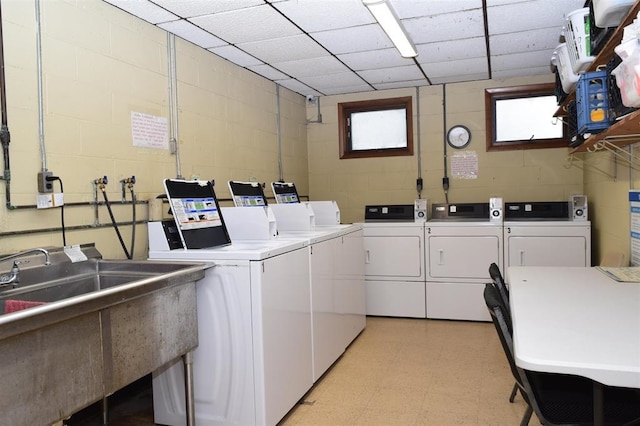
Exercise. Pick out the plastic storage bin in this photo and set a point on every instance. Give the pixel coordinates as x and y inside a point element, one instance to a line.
<point>578,39</point>
<point>562,62</point>
<point>627,74</point>
<point>592,102</point>
<point>609,13</point>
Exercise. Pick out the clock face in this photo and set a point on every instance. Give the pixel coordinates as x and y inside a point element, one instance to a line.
<point>458,136</point>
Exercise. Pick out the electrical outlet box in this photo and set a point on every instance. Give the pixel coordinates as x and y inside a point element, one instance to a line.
<point>45,186</point>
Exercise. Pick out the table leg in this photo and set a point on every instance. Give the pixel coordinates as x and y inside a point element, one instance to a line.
<point>598,404</point>
<point>188,384</point>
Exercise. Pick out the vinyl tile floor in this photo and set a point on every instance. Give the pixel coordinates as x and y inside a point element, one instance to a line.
<point>397,372</point>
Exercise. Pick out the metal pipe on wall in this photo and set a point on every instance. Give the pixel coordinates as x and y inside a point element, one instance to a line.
<point>43,151</point>
<point>279,135</point>
<point>173,102</point>
<point>419,184</point>
<point>5,136</point>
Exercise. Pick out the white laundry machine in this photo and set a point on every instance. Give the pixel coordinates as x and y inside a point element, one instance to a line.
<point>394,262</point>
<point>462,241</point>
<point>254,359</point>
<point>336,262</point>
<point>544,234</point>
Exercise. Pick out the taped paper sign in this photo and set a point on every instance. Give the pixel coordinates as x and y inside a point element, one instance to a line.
<point>464,165</point>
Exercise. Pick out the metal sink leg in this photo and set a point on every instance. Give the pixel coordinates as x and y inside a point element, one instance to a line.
<point>188,384</point>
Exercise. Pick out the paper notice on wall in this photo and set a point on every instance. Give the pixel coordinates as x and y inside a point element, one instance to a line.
<point>149,131</point>
<point>464,165</point>
<point>634,205</point>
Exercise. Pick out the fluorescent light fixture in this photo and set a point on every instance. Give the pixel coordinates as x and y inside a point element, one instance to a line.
<point>391,25</point>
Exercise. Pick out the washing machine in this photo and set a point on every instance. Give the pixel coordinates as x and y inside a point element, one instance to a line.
<point>336,262</point>
<point>394,261</point>
<point>546,234</point>
<point>462,240</point>
<point>254,358</point>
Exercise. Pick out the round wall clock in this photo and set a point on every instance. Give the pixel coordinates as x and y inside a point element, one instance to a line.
<point>459,136</point>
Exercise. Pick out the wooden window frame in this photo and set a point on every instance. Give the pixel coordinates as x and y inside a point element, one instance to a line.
<point>491,95</point>
<point>346,108</point>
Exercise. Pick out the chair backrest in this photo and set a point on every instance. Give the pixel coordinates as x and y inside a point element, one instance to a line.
<point>502,324</point>
<point>498,280</point>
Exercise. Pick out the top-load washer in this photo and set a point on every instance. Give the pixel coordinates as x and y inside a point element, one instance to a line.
<point>462,240</point>
<point>254,359</point>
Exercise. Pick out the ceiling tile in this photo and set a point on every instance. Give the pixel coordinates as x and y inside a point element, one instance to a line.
<point>315,15</point>
<point>284,49</point>
<point>353,39</point>
<point>521,60</point>
<point>445,27</point>
<point>383,58</point>
<point>312,66</point>
<point>522,72</point>
<point>387,75</point>
<point>525,41</point>
<point>338,90</point>
<point>247,25</point>
<point>454,78</point>
<point>419,8</point>
<point>401,84</point>
<point>191,33</point>
<point>462,67</point>
<point>236,56</point>
<point>517,17</point>
<point>269,72</point>
<point>190,8</point>
<point>326,82</point>
<point>144,10</point>
<point>298,87</point>
<point>451,50</point>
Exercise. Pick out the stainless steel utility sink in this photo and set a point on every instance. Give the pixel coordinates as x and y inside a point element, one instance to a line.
<point>57,282</point>
<point>103,324</point>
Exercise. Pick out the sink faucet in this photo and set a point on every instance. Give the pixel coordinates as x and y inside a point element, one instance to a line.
<point>13,277</point>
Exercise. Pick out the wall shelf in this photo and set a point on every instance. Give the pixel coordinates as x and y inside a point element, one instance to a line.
<point>629,124</point>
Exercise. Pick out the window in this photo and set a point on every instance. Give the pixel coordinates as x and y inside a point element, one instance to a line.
<point>376,128</point>
<point>521,117</point>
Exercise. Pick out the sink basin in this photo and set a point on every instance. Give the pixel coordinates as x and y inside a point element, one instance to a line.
<point>61,281</point>
<point>103,325</point>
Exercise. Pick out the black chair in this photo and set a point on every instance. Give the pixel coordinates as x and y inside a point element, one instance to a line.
<point>498,280</point>
<point>559,399</point>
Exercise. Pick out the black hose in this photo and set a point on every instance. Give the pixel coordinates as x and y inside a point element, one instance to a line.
<point>5,136</point>
<point>115,225</point>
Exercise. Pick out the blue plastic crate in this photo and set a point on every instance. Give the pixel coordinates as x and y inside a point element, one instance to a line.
<point>592,102</point>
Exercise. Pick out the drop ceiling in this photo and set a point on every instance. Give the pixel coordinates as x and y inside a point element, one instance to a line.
<point>328,47</point>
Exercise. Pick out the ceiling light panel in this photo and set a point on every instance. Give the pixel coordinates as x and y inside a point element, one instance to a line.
<point>312,66</point>
<point>247,25</point>
<point>452,50</point>
<point>369,37</point>
<point>314,15</point>
<point>191,33</point>
<point>383,58</point>
<point>512,18</point>
<point>284,49</point>
<point>144,10</point>
<point>235,55</point>
<point>191,8</point>
<point>448,26</point>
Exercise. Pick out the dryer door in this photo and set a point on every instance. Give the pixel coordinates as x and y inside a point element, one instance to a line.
<point>462,256</point>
